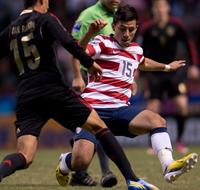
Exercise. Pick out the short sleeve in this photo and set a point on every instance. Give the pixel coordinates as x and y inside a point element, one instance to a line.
<point>95,47</point>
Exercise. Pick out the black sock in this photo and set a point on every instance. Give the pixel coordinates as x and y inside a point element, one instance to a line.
<point>68,160</point>
<point>103,159</point>
<point>180,126</point>
<point>115,153</point>
<point>11,163</point>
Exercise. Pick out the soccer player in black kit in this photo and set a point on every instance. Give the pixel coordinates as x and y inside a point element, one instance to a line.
<point>161,36</point>
<point>41,94</point>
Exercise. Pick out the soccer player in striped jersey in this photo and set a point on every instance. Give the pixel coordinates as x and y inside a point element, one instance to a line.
<point>120,57</point>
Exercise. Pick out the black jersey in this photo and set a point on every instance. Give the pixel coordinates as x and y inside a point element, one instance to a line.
<point>161,44</point>
<point>31,41</point>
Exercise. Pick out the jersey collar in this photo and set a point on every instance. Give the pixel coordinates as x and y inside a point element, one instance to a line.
<point>117,43</point>
<point>26,11</point>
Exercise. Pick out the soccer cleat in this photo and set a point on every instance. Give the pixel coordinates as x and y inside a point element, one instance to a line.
<point>82,178</point>
<point>132,185</point>
<point>179,167</point>
<point>108,180</point>
<point>147,185</point>
<point>141,185</point>
<point>61,178</point>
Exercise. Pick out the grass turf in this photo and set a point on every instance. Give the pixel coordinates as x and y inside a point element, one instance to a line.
<point>41,174</point>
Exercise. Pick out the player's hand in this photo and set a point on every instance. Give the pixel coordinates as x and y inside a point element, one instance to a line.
<point>176,65</point>
<point>78,84</point>
<point>96,71</point>
<point>96,26</point>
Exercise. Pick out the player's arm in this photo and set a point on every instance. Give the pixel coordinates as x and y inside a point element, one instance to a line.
<point>151,65</point>
<point>93,29</point>
<point>78,82</point>
<point>60,34</point>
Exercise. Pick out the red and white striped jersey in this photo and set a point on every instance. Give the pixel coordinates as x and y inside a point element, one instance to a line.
<point>118,64</point>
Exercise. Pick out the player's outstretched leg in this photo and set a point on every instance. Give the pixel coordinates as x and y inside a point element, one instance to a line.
<point>141,185</point>
<point>179,167</point>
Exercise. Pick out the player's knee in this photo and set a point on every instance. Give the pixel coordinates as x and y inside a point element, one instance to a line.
<point>80,162</point>
<point>156,121</point>
<point>161,122</point>
<point>95,126</point>
<point>94,123</point>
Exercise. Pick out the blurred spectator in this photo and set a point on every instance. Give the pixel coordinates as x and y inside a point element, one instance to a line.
<point>164,38</point>
<point>141,6</point>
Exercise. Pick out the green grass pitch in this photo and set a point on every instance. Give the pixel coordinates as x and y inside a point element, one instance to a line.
<point>41,175</point>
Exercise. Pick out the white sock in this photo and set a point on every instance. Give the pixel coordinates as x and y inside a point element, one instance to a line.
<point>161,145</point>
<point>165,157</point>
<point>63,166</point>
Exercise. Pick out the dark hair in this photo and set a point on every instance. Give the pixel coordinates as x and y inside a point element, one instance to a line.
<point>29,3</point>
<point>125,13</point>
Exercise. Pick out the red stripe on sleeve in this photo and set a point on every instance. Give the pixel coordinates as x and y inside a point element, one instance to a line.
<point>91,50</point>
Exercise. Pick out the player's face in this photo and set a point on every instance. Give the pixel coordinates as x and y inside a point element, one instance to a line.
<point>111,4</point>
<point>160,8</point>
<point>45,5</point>
<point>125,32</point>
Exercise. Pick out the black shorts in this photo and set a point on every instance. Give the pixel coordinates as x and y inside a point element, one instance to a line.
<point>62,105</point>
<point>165,85</point>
